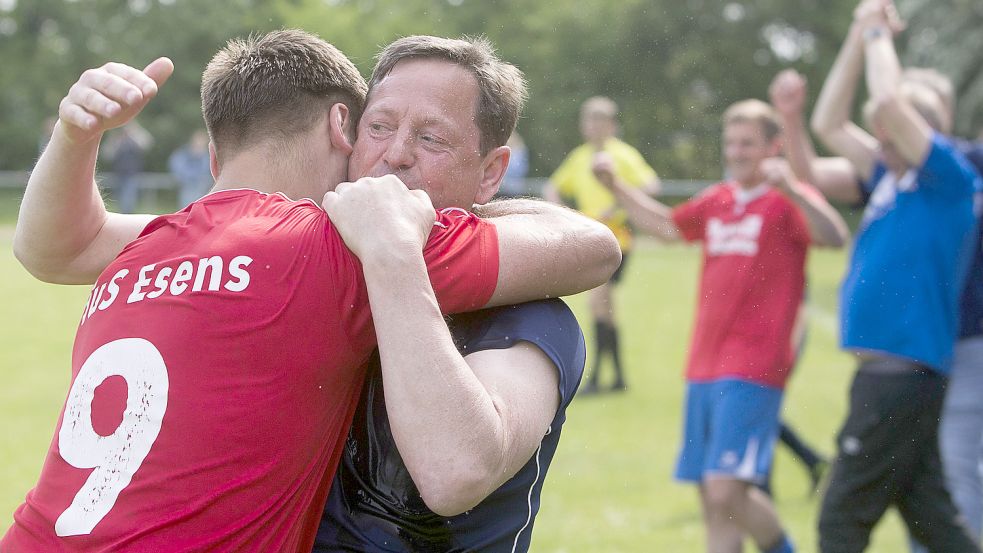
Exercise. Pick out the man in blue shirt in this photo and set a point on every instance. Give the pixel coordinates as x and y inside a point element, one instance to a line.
<point>900,299</point>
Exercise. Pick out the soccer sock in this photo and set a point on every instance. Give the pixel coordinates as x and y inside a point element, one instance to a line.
<point>602,344</point>
<point>784,545</point>
<point>619,377</point>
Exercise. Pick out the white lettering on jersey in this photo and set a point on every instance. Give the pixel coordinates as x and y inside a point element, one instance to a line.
<point>144,280</point>
<point>737,238</point>
<point>183,274</point>
<point>215,265</point>
<point>237,269</point>
<point>113,289</point>
<point>210,274</point>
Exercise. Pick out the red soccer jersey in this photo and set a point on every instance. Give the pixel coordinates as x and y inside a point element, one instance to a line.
<point>215,374</point>
<point>754,251</point>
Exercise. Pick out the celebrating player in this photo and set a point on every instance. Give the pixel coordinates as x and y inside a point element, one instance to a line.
<point>755,230</point>
<point>231,331</point>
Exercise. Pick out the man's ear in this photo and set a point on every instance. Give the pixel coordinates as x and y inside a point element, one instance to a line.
<point>212,160</point>
<point>492,170</point>
<point>340,128</point>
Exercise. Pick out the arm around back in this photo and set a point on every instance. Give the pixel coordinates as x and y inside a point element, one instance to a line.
<point>546,250</point>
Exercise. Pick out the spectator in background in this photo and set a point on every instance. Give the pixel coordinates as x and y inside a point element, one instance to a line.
<point>514,183</point>
<point>574,183</point>
<point>756,229</point>
<point>900,298</point>
<point>127,149</point>
<point>190,167</point>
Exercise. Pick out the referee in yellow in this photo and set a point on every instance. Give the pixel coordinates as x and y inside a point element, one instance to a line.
<point>573,183</point>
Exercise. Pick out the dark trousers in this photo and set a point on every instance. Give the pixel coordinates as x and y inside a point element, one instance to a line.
<point>888,454</point>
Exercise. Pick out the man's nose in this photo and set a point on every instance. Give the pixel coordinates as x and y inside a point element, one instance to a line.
<point>399,153</point>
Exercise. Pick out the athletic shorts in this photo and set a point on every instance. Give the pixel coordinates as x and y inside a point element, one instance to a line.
<point>730,431</point>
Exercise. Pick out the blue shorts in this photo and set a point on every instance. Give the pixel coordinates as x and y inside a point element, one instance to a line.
<point>731,429</point>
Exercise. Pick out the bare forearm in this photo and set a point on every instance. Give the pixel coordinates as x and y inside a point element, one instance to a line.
<point>547,250</point>
<point>62,211</point>
<point>646,214</point>
<point>832,109</point>
<point>883,70</point>
<point>444,422</point>
<point>799,150</point>
<point>64,234</point>
<point>826,226</point>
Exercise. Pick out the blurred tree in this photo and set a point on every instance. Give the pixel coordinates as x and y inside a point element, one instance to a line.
<point>672,65</point>
<point>46,44</point>
<point>949,37</point>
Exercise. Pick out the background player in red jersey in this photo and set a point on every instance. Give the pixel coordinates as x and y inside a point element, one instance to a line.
<point>755,229</point>
<point>221,500</point>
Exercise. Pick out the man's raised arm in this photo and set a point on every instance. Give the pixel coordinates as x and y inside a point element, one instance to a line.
<point>833,176</point>
<point>64,233</point>
<point>908,131</point>
<point>831,115</point>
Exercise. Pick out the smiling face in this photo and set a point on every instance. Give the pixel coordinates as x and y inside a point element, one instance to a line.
<point>419,124</point>
<point>745,147</point>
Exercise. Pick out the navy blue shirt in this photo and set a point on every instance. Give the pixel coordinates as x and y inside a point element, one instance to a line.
<point>374,505</point>
<point>971,303</point>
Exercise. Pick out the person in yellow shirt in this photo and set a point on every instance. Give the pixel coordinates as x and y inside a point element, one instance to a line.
<point>574,184</point>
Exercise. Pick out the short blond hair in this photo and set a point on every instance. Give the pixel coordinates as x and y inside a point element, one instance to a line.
<point>599,105</point>
<point>757,112</point>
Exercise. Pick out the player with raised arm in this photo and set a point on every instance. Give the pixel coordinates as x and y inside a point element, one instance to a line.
<point>900,297</point>
<point>221,326</point>
<point>755,231</point>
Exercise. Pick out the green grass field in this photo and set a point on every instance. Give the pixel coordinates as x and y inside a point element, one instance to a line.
<point>610,486</point>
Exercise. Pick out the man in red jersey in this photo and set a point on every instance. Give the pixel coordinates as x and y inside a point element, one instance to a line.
<point>214,368</point>
<point>755,229</point>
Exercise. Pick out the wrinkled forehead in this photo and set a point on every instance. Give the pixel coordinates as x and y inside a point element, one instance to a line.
<point>427,92</point>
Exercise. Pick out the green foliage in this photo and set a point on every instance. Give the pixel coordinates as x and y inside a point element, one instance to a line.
<point>47,44</point>
<point>672,65</point>
<point>950,39</point>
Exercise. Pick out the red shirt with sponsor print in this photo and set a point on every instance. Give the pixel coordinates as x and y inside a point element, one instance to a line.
<point>754,252</point>
<point>215,373</point>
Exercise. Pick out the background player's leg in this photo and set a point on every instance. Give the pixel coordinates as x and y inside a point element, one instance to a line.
<point>720,498</point>
<point>600,306</point>
<point>813,461</point>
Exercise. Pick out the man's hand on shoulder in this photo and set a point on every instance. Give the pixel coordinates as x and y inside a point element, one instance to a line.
<point>378,217</point>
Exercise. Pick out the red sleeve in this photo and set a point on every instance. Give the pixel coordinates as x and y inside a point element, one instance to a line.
<point>462,259</point>
<point>690,216</point>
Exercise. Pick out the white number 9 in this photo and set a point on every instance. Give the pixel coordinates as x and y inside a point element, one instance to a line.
<point>118,456</point>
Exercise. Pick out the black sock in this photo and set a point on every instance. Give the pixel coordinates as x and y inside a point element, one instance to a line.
<point>619,377</point>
